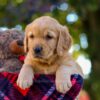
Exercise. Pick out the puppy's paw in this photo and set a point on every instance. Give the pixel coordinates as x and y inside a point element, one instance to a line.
<point>25,78</point>
<point>63,83</point>
<point>25,81</point>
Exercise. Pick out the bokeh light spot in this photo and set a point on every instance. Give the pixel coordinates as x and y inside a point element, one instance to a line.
<point>72,17</point>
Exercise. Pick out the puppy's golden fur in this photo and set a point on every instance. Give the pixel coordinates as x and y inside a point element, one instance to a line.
<point>55,41</point>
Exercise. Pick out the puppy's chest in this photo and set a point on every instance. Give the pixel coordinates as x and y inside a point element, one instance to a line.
<point>44,69</point>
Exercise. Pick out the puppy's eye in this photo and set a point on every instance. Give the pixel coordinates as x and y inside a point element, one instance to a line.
<point>32,36</point>
<point>48,37</point>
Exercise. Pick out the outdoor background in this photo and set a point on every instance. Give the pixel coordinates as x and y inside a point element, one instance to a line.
<point>83,20</point>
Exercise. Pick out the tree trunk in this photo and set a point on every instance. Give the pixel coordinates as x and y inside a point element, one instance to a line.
<point>92,27</point>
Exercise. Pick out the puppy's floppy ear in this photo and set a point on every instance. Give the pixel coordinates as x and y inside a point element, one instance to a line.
<point>64,41</point>
<point>26,43</point>
<point>26,39</point>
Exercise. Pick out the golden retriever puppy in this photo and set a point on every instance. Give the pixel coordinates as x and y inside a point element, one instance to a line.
<point>47,43</point>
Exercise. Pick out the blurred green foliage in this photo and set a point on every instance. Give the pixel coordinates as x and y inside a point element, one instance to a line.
<point>13,12</point>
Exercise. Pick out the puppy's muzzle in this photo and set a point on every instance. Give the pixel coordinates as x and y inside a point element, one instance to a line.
<point>38,51</point>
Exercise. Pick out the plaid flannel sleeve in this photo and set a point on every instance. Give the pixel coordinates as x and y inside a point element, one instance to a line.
<point>43,88</point>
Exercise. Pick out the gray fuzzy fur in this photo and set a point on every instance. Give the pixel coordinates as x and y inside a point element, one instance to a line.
<point>8,61</point>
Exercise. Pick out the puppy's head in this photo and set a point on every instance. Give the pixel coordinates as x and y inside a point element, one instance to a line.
<point>45,37</point>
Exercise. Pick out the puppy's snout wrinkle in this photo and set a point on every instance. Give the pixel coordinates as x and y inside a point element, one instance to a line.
<point>38,50</point>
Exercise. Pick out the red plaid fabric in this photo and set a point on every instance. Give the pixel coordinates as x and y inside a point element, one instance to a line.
<point>43,88</point>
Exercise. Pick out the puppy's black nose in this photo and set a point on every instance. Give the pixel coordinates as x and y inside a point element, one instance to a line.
<point>38,50</point>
